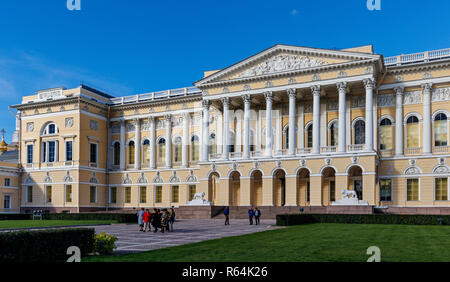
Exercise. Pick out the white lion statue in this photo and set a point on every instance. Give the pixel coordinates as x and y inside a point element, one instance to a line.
<point>349,194</point>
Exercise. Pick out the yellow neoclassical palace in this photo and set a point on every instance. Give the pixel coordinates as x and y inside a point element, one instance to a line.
<point>339,120</point>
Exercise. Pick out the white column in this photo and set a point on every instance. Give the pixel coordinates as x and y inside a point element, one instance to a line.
<point>292,134</point>
<point>399,121</point>
<point>168,141</point>
<point>427,87</point>
<point>205,131</point>
<point>369,84</point>
<point>226,127</point>
<point>246,99</point>
<point>137,146</point>
<point>152,142</point>
<point>301,127</point>
<point>316,119</point>
<point>122,145</point>
<point>184,149</point>
<point>342,89</point>
<point>269,136</point>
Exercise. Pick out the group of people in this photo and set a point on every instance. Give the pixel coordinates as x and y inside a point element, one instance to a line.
<point>162,219</point>
<point>252,213</point>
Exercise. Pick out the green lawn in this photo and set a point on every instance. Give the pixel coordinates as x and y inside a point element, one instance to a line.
<point>9,224</point>
<point>310,243</point>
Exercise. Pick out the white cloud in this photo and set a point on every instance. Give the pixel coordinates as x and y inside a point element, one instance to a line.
<point>294,12</point>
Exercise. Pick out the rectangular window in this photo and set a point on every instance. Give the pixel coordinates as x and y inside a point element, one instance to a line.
<point>127,195</point>
<point>93,153</point>
<point>412,189</point>
<point>112,195</point>
<point>29,194</point>
<point>158,194</point>
<point>7,182</point>
<point>68,193</point>
<point>175,194</point>
<point>93,194</point>
<point>143,194</point>
<point>332,191</point>
<point>7,202</point>
<point>192,191</point>
<point>441,189</point>
<point>48,193</point>
<point>29,154</point>
<point>68,150</point>
<point>51,151</point>
<point>386,190</point>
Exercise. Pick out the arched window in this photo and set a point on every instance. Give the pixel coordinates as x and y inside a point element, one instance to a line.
<point>360,132</point>
<point>412,132</point>
<point>195,148</point>
<point>334,137</point>
<point>386,134</point>
<point>49,148</point>
<point>161,150</point>
<point>131,152</point>
<point>178,144</point>
<point>309,136</point>
<point>286,137</point>
<point>440,130</point>
<point>117,153</point>
<point>146,152</point>
<point>212,143</point>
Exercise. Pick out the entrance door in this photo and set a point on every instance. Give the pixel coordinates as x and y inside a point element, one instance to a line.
<point>358,188</point>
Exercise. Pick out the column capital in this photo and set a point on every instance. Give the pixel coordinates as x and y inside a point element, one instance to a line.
<point>369,83</point>
<point>268,95</point>
<point>399,90</point>
<point>292,92</point>
<point>246,98</point>
<point>315,89</point>
<point>427,86</point>
<point>206,104</point>
<point>226,101</point>
<point>342,86</point>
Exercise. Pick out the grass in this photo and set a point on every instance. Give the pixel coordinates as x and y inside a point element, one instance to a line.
<point>310,243</point>
<point>11,224</point>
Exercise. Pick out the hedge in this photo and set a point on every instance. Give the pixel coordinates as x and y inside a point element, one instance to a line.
<point>120,217</point>
<point>298,219</point>
<point>15,216</point>
<point>44,245</point>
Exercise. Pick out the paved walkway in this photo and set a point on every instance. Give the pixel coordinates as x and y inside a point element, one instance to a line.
<point>185,232</point>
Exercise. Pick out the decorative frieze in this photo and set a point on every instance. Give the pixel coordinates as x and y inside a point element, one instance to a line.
<point>358,102</point>
<point>30,126</point>
<point>131,127</point>
<point>413,97</point>
<point>440,94</point>
<point>69,122</point>
<point>115,129</point>
<point>308,108</point>
<point>333,105</point>
<point>93,125</point>
<point>282,63</point>
<point>386,100</point>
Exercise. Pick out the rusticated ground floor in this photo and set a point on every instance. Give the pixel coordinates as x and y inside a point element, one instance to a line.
<point>391,184</point>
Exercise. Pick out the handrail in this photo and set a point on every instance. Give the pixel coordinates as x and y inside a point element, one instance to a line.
<point>166,94</point>
<point>417,57</point>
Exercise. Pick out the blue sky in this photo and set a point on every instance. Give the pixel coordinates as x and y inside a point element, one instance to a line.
<point>134,46</point>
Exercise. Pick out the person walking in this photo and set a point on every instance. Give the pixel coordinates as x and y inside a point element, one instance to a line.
<point>163,221</point>
<point>140,216</point>
<point>250,215</point>
<point>147,219</point>
<point>226,212</point>
<point>257,215</point>
<point>155,220</point>
<point>171,218</point>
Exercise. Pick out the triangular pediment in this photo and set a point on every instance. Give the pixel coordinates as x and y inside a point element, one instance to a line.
<point>281,59</point>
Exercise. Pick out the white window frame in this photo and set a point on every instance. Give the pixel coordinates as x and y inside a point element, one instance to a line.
<point>110,193</point>
<point>27,194</point>
<point>65,193</point>
<point>96,153</point>
<point>329,132</point>
<point>96,194</point>
<point>405,129</point>
<point>434,132</point>
<point>171,193</point>
<point>154,194</point>
<point>32,153</point>
<point>9,201</point>
<point>45,194</point>
<point>379,183</point>
<point>353,135</point>
<point>406,189</point>
<point>140,194</point>
<point>434,188</point>
<point>125,193</point>
<point>392,131</point>
<point>65,150</point>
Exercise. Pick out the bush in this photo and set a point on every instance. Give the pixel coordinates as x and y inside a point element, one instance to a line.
<point>21,216</point>
<point>104,243</point>
<point>44,245</point>
<point>298,219</point>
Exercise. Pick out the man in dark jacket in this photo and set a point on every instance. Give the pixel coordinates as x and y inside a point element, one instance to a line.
<point>226,212</point>
<point>250,215</point>
<point>257,215</point>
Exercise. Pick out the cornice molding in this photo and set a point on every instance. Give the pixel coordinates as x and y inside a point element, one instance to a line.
<point>417,67</point>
